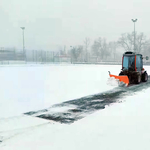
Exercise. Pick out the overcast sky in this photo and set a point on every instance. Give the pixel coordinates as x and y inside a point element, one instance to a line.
<point>49,23</point>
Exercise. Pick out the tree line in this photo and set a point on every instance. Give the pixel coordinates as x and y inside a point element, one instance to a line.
<point>100,49</point>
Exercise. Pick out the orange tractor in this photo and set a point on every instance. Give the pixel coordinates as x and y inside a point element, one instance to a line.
<point>132,71</point>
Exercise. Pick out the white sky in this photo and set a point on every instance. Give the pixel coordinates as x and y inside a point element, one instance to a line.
<point>50,23</point>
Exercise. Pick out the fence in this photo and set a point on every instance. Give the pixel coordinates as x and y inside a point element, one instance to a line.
<point>36,56</point>
<point>40,56</point>
<point>6,55</point>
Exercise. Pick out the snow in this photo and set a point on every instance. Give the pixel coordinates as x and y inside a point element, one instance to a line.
<point>38,87</point>
<point>124,125</point>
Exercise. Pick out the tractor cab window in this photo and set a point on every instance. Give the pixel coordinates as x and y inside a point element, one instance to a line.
<point>132,62</point>
<point>138,62</point>
<point>125,63</point>
<point>128,62</point>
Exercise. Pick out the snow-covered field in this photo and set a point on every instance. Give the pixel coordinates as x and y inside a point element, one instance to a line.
<point>26,88</point>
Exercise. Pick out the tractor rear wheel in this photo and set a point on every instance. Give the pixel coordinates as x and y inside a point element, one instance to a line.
<point>144,77</point>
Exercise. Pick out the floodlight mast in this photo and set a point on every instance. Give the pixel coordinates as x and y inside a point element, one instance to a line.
<point>134,20</point>
<point>23,28</point>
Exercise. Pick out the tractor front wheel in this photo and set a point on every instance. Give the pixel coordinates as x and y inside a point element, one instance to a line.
<point>121,73</point>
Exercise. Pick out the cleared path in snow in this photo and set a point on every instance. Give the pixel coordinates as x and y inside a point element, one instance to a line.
<point>73,110</point>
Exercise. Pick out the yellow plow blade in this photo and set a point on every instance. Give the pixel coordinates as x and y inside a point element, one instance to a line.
<point>122,78</point>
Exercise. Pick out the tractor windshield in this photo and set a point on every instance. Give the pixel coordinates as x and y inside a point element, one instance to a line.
<point>128,62</point>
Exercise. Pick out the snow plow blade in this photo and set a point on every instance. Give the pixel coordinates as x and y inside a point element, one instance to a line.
<point>122,78</point>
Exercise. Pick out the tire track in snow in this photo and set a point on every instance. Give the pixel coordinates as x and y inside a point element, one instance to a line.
<point>13,126</point>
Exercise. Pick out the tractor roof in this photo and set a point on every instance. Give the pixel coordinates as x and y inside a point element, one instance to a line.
<point>129,53</point>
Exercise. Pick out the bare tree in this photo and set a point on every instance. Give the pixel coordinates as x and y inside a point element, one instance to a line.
<point>112,48</point>
<point>96,48</point>
<point>87,43</point>
<point>104,49</point>
<point>141,42</point>
<point>127,41</point>
<point>100,48</point>
<point>62,50</point>
<point>76,52</point>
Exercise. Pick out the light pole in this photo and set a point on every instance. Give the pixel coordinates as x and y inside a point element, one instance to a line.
<point>23,28</point>
<point>71,53</point>
<point>134,20</point>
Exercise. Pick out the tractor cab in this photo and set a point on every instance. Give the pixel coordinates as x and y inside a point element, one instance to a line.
<point>132,62</point>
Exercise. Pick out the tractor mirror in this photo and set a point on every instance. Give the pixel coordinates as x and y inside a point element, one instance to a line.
<point>147,58</point>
